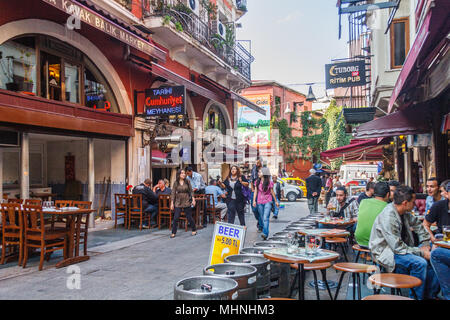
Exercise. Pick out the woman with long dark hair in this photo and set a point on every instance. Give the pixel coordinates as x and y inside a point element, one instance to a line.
<point>262,199</point>
<point>181,198</point>
<point>235,199</point>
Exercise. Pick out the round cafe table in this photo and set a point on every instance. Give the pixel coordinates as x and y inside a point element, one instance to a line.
<point>325,233</point>
<point>300,262</point>
<point>443,244</point>
<point>337,222</point>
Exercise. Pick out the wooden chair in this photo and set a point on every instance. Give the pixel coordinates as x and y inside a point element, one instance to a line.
<point>200,208</point>
<point>19,201</point>
<point>33,202</point>
<point>211,210</point>
<point>183,219</point>
<point>313,267</point>
<point>82,226</point>
<point>135,210</point>
<point>12,229</point>
<point>395,281</point>
<point>164,212</point>
<point>355,269</point>
<point>37,236</point>
<point>121,210</point>
<point>338,242</point>
<point>63,203</point>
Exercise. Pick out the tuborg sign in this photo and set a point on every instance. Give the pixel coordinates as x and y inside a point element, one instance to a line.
<point>347,74</point>
<point>165,101</point>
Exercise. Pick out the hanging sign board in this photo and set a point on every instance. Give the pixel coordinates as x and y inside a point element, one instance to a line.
<point>347,74</point>
<point>228,239</point>
<point>165,101</point>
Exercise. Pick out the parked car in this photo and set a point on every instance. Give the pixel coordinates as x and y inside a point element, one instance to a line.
<point>293,188</point>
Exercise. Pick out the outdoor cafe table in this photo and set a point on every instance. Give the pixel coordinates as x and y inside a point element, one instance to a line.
<point>325,233</point>
<point>73,220</point>
<point>443,244</point>
<point>337,222</point>
<point>281,255</point>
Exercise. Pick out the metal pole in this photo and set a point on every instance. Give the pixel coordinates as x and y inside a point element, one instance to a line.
<point>91,179</point>
<point>1,175</point>
<point>25,166</point>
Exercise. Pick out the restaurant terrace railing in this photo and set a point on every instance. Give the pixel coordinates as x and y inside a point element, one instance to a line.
<point>176,12</point>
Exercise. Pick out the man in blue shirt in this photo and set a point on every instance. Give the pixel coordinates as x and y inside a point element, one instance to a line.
<point>433,194</point>
<point>196,180</point>
<point>217,193</point>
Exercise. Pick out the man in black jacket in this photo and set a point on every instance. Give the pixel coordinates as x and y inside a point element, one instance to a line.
<point>149,200</point>
<point>313,189</point>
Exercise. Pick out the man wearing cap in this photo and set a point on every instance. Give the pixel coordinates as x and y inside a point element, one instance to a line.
<point>313,188</point>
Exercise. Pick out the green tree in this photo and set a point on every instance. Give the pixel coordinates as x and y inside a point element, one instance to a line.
<point>336,126</point>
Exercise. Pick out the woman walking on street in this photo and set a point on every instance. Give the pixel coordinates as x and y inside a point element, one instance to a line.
<point>235,198</point>
<point>263,198</point>
<point>181,198</point>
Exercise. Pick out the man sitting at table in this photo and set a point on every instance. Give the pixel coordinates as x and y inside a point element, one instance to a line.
<point>369,209</point>
<point>392,243</point>
<point>393,184</point>
<point>370,189</point>
<point>440,260</point>
<point>439,212</point>
<point>161,188</point>
<point>217,193</point>
<point>149,201</point>
<point>345,207</point>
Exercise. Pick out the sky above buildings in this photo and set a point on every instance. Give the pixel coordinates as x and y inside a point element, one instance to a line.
<point>292,40</point>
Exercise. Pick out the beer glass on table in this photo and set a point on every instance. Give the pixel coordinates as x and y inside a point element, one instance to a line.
<point>446,232</point>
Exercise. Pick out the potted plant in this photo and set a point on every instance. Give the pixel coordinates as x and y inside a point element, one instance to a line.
<point>6,66</point>
<point>27,65</point>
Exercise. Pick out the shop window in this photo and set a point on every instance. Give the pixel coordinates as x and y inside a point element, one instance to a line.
<point>215,120</point>
<point>97,93</point>
<point>62,73</point>
<point>399,37</point>
<point>18,65</point>
<point>50,76</point>
<point>72,82</point>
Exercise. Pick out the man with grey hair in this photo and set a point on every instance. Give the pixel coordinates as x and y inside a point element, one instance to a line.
<point>313,189</point>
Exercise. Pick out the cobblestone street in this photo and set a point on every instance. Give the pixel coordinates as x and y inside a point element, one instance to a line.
<point>135,265</point>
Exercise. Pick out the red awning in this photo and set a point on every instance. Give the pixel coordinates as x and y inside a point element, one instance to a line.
<point>435,27</point>
<point>191,86</point>
<point>158,156</point>
<point>357,150</point>
<point>412,120</point>
<point>235,96</point>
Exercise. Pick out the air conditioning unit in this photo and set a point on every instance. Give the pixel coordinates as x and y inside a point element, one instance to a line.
<point>194,5</point>
<point>221,30</point>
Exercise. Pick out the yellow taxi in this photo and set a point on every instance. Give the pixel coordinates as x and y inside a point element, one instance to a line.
<point>293,188</point>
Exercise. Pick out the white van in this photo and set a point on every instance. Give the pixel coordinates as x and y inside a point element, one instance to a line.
<point>358,171</point>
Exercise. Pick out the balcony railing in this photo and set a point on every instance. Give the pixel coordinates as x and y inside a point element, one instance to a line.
<point>241,5</point>
<point>174,11</point>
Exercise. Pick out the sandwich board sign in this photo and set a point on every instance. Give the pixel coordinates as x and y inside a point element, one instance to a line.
<point>228,239</point>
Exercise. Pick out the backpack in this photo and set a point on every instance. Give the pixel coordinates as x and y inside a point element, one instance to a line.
<point>247,193</point>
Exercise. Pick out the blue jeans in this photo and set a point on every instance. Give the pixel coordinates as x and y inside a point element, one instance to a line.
<point>440,260</point>
<point>275,208</point>
<point>153,210</point>
<point>264,215</point>
<point>255,212</point>
<point>420,268</point>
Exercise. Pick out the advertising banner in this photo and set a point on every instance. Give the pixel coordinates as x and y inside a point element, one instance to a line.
<point>253,127</point>
<point>347,74</point>
<point>227,240</point>
<point>165,101</point>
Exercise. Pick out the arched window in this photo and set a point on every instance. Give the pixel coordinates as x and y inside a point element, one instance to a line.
<point>44,66</point>
<point>215,120</point>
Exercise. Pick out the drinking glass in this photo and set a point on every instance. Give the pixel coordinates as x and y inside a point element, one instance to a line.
<point>312,244</point>
<point>45,204</point>
<point>292,243</point>
<point>446,232</point>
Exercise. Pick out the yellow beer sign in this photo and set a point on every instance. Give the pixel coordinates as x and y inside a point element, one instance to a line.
<point>228,239</point>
